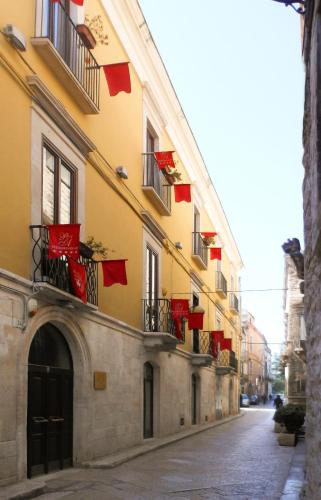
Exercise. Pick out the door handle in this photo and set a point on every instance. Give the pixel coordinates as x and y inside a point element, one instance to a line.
<point>56,419</point>
<point>40,420</point>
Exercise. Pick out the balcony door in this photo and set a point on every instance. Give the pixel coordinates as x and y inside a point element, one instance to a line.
<point>59,27</point>
<point>194,399</point>
<point>151,290</point>
<point>152,171</point>
<point>50,403</point>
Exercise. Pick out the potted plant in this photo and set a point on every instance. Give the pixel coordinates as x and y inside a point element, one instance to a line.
<point>292,417</point>
<point>172,175</point>
<point>209,240</point>
<point>93,247</point>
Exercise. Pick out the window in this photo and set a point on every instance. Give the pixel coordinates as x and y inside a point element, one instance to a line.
<point>58,189</point>
<point>151,274</point>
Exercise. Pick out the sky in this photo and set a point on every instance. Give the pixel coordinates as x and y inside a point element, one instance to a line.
<point>238,72</point>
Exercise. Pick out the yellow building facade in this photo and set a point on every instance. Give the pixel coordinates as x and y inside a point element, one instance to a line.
<point>83,380</point>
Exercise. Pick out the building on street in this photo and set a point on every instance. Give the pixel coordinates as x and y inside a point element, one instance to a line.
<point>98,357</point>
<point>256,377</point>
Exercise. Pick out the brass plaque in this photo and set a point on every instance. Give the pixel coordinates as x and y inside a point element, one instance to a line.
<point>100,381</point>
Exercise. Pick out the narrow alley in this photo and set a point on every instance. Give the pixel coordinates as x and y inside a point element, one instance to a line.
<point>240,459</point>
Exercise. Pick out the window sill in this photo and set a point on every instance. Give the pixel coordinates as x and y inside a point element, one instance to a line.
<point>156,200</point>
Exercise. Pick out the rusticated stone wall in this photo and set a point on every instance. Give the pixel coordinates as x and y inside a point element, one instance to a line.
<point>312,234</point>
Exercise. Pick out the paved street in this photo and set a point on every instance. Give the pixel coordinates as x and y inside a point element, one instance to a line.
<point>238,460</point>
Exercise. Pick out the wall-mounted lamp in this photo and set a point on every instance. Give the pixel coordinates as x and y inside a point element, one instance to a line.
<point>287,3</point>
<point>122,172</point>
<point>179,245</point>
<point>15,36</point>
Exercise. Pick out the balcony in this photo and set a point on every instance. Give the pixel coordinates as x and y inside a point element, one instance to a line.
<point>60,46</point>
<point>202,349</point>
<point>156,187</point>
<point>159,329</point>
<point>53,274</point>
<point>200,251</point>
<point>221,285</point>
<point>234,303</point>
<point>226,362</point>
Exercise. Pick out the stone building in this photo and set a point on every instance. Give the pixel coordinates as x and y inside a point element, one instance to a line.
<point>256,375</point>
<point>294,355</point>
<point>312,240</point>
<point>81,378</point>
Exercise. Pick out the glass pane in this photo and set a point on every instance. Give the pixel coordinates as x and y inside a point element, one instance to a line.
<point>48,188</point>
<point>65,195</point>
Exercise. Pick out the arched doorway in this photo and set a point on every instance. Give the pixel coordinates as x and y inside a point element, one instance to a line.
<point>148,400</point>
<point>194,399</point>
<point>50,402</point>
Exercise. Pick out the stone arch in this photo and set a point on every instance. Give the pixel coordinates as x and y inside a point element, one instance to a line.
<point>65,322</point>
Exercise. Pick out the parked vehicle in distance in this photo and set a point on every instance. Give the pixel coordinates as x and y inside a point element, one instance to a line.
<point>254,399</point>
<point>245,402</point>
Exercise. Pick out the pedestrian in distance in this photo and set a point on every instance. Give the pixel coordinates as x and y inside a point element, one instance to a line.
<point>264,398</point>
<point>270,397</point>
<point>278,402</point>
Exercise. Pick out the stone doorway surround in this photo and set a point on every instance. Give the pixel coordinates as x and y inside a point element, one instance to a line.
<point>81,359</point>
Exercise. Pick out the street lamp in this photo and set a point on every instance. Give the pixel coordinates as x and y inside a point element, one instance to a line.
<point>299,10</point>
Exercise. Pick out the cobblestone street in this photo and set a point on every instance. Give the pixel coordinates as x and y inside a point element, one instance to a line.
<point>240,460</point>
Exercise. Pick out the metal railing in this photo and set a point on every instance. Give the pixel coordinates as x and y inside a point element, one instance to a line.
<point>227,359</point>
<point>202,342</point>
<point>221,283</point>
<point>62,32</point>
<point>234,302</point>
<point>55,271</point>
<point>158,317</point>
<point>199,248</point>
<point>154,177</point>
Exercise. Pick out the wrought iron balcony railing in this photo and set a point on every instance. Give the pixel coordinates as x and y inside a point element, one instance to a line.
<point>221,283</point>
<point>202,343</point>
<point>227,359</point>
<point>158,318</point>
<point>54,23</point>
<point>234,302</point>
<point>155,179</point>
<point>199,249</point>
<point>55,271</point>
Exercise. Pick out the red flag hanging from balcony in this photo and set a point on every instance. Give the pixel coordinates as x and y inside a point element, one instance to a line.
<point>182,192</point>
<point>208,235</point>
<point>178,328</point>
<point>218,335</point>
<point>164,159</point>
<point>216,253</point>
<point>214,345</point>
<point>114,271</point>
<point>77,274</point>
<point>179,308</point>
<point>63,240</point>
<point>195,320</point>
<point>118,78</point>
<point>226,344</point>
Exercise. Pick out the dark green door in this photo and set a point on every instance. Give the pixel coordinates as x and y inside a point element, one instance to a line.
<point>50,403</point>
<point>148,400</point>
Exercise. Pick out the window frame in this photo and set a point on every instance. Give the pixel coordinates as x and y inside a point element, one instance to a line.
<point>60,159</point>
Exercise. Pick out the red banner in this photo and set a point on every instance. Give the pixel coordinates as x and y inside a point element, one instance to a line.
<point>214,345</point>
<point>195,321</point>
<point>114,271</point>
<point>164,159</point>
<point>218,335</point>
<point>182,192</point>
<point>63,240</point>
<point>118,78</point>
<point>77,274</point>
<point>180,308</point>
<point>216,253</point>
<point>226,344</point>
<point>178,328</point>
<point>208,235</point>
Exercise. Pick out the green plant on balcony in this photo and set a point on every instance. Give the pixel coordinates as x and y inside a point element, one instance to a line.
<point>97,248</point>
<point>172,175</point>
<point>209,240</point>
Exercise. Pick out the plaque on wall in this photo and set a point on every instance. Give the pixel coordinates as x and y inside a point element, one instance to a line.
<point>100,381</point>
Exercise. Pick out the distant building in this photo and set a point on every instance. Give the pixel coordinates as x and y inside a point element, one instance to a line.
<point>255,359</point>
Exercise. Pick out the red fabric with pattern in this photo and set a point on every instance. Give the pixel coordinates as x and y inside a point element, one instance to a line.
<point>180,308</point>
<point>164,159</point>
<point>77,274</point>
<point>63,240</point>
